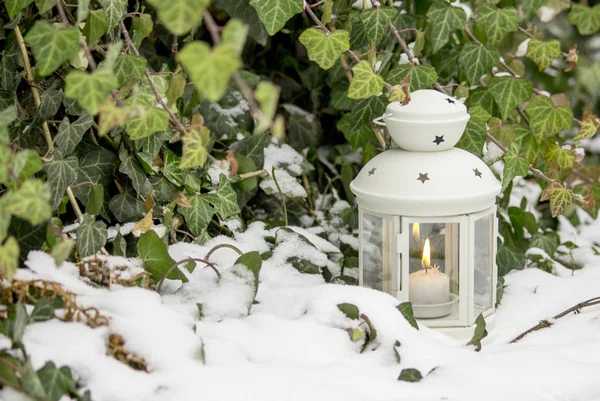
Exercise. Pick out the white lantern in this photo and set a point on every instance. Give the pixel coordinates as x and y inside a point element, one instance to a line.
<point>427,217</point>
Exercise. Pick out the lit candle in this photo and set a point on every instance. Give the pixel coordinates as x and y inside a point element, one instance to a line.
<point>428,286</point>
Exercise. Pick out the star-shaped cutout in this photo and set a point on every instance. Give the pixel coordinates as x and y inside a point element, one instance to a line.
<point>372,171</point>
<point>423,178</point>
<point>477,172</point>
<point>450,100</point>
<point>439,139</point>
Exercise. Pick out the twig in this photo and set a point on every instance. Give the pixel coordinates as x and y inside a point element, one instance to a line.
<point>257,173</point>
<point>402,43</point>
<point>170,269</point>
<point>78,213</point>
<point>526,32</point>
<point>331,181</point>
<point>184,233</point>
<point>34,90</point>
<point>285,215</point>
<point>473,38</point>
<point>546,323</point>
<point>308,193</point>
<point>214,248</point>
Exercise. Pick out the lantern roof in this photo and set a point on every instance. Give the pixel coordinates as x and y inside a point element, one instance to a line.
<point>445,183</point>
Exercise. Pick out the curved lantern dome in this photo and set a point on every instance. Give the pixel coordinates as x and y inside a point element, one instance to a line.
<point>427,176</point>
<point>407,183</point>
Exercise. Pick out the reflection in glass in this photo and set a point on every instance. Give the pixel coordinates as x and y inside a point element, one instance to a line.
<point>483,263</point>
<point>376,252</point>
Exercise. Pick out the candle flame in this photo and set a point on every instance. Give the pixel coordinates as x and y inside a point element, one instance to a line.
<point>425,262</point>
<point>416,232</point>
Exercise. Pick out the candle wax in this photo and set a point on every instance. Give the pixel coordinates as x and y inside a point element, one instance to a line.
<point>429,287</point>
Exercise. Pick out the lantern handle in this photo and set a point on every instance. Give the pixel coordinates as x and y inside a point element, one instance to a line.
<point>378,121</point>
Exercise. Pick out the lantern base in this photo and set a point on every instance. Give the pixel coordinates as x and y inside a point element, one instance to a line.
<point>466,333</point>
<point>435,310</point>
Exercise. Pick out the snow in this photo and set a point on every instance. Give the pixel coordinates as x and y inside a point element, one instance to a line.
<point>522,49</point>
<point>288,165</point>
<point>292,345</point>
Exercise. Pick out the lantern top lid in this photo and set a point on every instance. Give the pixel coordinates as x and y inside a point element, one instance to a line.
<point>401,182</point>
<point>428,105</point>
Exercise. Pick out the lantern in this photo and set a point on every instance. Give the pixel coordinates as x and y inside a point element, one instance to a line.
<point>427,217</point>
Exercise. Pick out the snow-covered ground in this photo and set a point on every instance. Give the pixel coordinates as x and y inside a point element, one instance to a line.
<point>292,346</point>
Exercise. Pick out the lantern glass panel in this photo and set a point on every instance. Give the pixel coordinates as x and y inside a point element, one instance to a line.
<point>377,252</point>
<point>484,264</point>
<point>434,269</point>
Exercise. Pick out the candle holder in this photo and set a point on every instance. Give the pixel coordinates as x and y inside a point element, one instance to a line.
<point>428,204</point>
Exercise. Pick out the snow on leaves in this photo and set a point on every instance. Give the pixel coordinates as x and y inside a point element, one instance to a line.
<point>51,46</point>
<point>497,22</point>
<point>208,69</point>
<point>225,200</point>
<point>444,19</point>
<point>365,83</point>
<point>325,49</point>
<point>542,53</point>
<point>547,120</point>
<point>275,13</point>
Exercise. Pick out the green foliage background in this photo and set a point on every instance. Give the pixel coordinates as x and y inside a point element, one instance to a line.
<point>115,111</point>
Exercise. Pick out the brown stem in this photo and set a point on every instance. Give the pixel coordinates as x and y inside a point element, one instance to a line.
<point>473,38</point>
<point>285,215</point>
<point>214,248</point>
<point>184,233</point>
<point>402,43</point>
<point>545,323</point>
<point>34,90</point>
<point>170,269</point>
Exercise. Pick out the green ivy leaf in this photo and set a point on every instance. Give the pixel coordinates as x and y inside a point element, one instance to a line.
<point>61,172</point>
<point>547,120</point>
<point>32,383</point>
<point>90,90</point>
<point>365,82</point>
<point>407,311</point>
<point>419,76</point>
<point>542,53</point>
<point>30,202</point>
<point>44,5</point>
<point>44,310</point>
<point>126,207</point>
<point>509,258</point>
<point>147,122</point>
<point>443,20</point>
<point>479,334</point>
<point>26,163</point>
<point>586,19</point>
<point>225,200</point>
<point>559,158</point>
<point>171,169</point>
<point>131,167</point>
<point>95,27</point>
<point>350,310</point>
<point>199,215</point>
<point>176,89</point>
<point>194,148</point>
<point>69,135</point>
<point>358,135</point>
<point>560,199</point>
<point>514,166</point>
<point>509,92</point>
<point>376,22</point>
<point>497,22</point>
<point>254,148</point>
<point>235,34</point>
<point>15,6</point>
<point>128,67</point>
<point>83,7</point>
<point>275,13</point>
<point>180,16</point>
<point>410,375</point>
<point>548,242</point>
<point>91,236</point>
<point>589,125</point>
<point>114,9</point>
<point>267,96</point>
<point>244,11</point>
<point>142,27</point>
<point>156,257</point>
<point>61,251</point>
<point>253,262</point>
<point>56,382</point>
<point>325,49</point>
<point>51,46</point>
<point>475,133</point>
<point>9,258</point>
<point>210,70</point>
<point>95,199</point>
<point>476,61</point>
